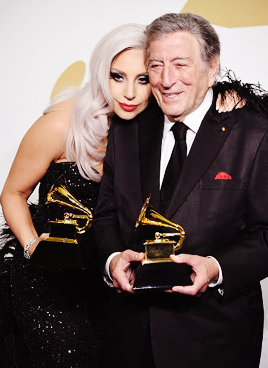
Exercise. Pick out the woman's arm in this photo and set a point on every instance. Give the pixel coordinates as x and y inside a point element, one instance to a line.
<point>42,144</point>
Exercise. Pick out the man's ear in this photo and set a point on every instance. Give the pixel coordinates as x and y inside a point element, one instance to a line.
<point>213,69</point>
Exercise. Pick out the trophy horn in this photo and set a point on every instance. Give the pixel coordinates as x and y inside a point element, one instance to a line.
<point>149,216</point>
<point>60,193</point>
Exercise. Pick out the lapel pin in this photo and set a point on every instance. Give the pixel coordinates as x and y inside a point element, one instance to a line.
<point>223,129</point>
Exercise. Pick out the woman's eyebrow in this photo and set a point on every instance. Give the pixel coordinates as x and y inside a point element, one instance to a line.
<point>115,70</point>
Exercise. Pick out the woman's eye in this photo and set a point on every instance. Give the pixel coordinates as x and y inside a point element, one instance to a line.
<point>116,76</point>
<point>144,79</point>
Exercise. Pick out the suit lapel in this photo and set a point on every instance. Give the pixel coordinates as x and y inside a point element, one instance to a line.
<point>210,137</point>
<point>150,140</point>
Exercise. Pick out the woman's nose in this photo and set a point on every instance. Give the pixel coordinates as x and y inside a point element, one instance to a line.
<point>130,92</point>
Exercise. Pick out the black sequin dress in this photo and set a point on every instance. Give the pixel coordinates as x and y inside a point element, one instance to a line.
<point>61,313</point>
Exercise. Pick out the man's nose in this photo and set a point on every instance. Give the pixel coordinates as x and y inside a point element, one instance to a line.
<point>130,91</point>
<point>168,77</point>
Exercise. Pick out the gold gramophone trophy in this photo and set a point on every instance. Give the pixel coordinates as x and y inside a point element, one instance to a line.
<point>64,246</point>
<point>157,270</point>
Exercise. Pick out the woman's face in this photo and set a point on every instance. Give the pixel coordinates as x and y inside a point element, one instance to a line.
<point>129,84</point>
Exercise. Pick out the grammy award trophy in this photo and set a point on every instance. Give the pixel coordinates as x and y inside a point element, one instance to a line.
<point>67,242</point>
<point>157,271</point>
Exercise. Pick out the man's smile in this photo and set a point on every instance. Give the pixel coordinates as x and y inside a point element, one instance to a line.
<point>171,95</point>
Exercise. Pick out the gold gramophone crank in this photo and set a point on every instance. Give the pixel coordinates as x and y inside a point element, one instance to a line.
<point>157,271</point>
<point>67,245</point>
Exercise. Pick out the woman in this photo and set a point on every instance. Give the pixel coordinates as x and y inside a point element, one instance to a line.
<point>60,312</point>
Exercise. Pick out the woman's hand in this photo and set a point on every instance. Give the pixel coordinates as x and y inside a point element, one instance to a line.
<point>35,244</point>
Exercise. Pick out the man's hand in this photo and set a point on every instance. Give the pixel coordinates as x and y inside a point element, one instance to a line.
<point>205,271</point>
<point>122,273</point>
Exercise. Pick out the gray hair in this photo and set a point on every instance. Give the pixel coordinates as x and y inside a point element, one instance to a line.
<point>94,103</point>
<point>194,24</point>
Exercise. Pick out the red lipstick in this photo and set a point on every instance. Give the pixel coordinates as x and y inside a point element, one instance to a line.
<point>127,107</point>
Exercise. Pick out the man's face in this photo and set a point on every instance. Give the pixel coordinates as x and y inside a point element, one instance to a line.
<point>178,77</point>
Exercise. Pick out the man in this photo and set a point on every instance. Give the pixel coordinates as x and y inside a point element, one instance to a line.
<point>220,199</point>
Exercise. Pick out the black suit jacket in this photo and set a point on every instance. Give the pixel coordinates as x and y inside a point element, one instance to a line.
<point>227,219</point>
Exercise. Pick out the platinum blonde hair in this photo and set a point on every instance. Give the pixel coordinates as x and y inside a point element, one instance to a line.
<point>93,103</point>
<point>195,24</point>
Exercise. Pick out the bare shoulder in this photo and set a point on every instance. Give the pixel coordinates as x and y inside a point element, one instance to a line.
<point>46,137</point>
<point>59,118</point>
<point>43,143</point>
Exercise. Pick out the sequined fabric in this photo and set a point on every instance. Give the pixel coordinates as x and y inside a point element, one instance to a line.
<point>61,313</point>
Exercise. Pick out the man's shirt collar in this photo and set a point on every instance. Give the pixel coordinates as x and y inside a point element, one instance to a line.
<point>193,120</point>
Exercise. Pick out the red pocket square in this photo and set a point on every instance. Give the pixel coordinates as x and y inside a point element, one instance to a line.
<point>223,175</point>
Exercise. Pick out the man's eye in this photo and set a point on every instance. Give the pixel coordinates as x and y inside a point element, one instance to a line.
<point>116,76</point>
<point>144,79</point>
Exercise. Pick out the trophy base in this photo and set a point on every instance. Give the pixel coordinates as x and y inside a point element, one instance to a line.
<point>66,255</point>
<point>162,276</point>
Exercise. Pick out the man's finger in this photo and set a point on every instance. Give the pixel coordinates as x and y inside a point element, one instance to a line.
<point>184,258</point>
